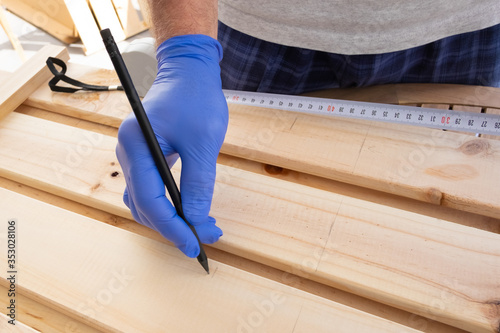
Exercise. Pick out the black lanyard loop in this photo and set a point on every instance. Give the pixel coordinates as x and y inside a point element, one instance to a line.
<point>61,76</point>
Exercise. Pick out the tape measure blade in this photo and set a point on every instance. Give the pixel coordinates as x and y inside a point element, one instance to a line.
<point>397,114</point>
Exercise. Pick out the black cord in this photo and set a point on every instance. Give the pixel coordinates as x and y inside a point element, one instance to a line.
<point>61,76</point>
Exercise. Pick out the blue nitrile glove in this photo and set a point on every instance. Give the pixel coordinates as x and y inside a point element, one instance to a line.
<point>188,113</point>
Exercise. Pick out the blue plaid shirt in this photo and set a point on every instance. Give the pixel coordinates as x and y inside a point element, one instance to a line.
<point>252,64</point>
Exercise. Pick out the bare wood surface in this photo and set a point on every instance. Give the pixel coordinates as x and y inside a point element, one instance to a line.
<point>17,327</point>
<point>10,34</point>
<point>40,317</point>
<point>468,219</point>
<point>309,216</point>
<point>85,25</point>
<point>101,260</point>
<point>445,213</point>
<point>108,108</point>
<point>415,93</point>
<point>106,16</point>
<point>492,111</point>
<point>129,19</point>
<point>404,160</point>
<point>50,16</point>
<point>37,315</point>
<point>375,94</point>
<point>443,168</point>
<point>24,81</point>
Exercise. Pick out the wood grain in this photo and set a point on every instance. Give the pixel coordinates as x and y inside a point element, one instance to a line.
<point>293,227</point>
<point>41,318</point>
<point>452,94</point>
<point>111,278</point>
<point>50,16</point>
<point>85,25</point>
<point>10,34</point>
<point>108,108</point>
<point>129,19</point>
<point>106,16</point>
<point>443,168</point>
<point>24,81</point>
<point>37,315</point>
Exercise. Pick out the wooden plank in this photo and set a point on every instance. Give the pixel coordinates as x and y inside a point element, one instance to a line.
<point>336,295</point>
<point>374,94</point>
<point>17,327</point>
<point>423,208</point>
<point>129,19</point>
<point>91,106</point>
<point>28,78</point>
<point>466,108</point>
<point>452,94</point>
<point>54,9</point>
<point>42,318</point>
<point>4,76</point>
<point>403,160</point>
<point>10,34</point>
<point>67,120</point>
<point>468,219</point>
<point>145,11</point>
<point>31,147</point>
<point>114,273</point>
<point>54,18</point>
<point>85,25</point>
<point>107,18</point>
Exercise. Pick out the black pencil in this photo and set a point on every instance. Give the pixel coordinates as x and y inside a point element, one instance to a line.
<point>147,130</point>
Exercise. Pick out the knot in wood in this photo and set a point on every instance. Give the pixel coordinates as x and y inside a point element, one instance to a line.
<point>474,147</point>
<point>273,169</point>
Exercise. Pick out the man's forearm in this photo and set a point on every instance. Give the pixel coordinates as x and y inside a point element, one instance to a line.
<point>181,17</point>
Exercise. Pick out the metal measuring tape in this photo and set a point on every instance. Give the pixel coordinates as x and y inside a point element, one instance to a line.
<point>481,123</point>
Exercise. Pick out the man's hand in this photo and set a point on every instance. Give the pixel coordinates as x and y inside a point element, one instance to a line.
<point>188,113</point>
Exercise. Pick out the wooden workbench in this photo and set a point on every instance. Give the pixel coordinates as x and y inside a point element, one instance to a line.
<point>329,225</point>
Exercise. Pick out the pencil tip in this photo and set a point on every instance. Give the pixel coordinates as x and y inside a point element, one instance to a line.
<point>204,263</point>
<point>205,266</point>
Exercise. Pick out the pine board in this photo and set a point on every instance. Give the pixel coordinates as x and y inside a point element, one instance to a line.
<point>69,259</point>
<point>39,316</point>
<point>51,16</point>
<point>42,318</point>
<point>85,24</point>
<point>104,11</point>
<point>129,19</point>
<point>109,108</point>
<point>443,168</point>
<point>25,80</point>
<point>294,227</point>
<point>4,75</point>
<point>452,94</point>
<point>18,327</point>
<point>10,34</point>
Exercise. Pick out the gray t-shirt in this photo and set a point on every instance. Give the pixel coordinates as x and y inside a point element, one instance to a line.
<point>357,27</point>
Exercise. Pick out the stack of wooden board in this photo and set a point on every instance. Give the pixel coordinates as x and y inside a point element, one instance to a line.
<point>70,20</point>
<point>329,224</point>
